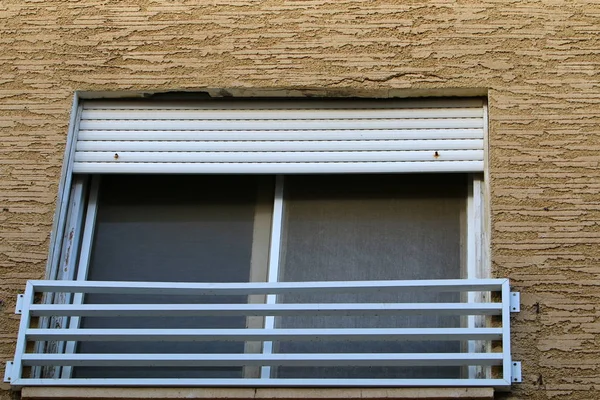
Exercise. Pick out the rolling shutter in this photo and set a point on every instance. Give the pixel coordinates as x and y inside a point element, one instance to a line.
<point>288,136</point>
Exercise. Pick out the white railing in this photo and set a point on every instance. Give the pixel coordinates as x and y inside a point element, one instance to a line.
<point>495,331</point>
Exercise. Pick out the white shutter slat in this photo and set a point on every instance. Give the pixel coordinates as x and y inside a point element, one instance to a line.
<point>279,168</point>
<point>276,114</point>
<point>278,157</point>
<point>366,134</point>
<point>296,124</point>
<point>301,136</point>
<point>284,104</point>
<point>290,145</point>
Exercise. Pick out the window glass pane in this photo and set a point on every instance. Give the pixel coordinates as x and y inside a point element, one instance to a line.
<point>339,228</point>
<point>171,229</point>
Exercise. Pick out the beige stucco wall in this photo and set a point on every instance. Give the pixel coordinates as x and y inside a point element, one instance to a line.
<point>538,62</point>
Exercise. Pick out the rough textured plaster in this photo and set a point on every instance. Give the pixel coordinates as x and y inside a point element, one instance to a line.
<point>538,60</point>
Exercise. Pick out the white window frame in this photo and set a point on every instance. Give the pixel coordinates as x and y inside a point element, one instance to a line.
<point>70,252</point>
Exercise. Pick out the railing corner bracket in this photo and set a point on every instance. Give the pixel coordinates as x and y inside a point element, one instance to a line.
<point>19,305</point>
<point>8,372</point>
<point>516,372</point>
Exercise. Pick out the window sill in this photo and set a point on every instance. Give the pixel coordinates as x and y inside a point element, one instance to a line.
<point>39,393</point>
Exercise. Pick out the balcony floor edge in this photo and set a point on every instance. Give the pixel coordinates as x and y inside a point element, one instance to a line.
<point>107,393</point>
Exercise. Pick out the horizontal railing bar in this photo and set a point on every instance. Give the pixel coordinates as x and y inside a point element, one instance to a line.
<point>193,335</point>
<point>338,309</point>
<point>240,360</point>
<point>256,382</point>
<point>247,288</point>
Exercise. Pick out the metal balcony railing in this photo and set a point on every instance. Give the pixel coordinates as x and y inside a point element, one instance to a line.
<point>494,360</point>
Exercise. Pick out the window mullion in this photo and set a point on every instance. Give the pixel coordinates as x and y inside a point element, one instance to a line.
<point>274,256</point>
<point>259,264</point>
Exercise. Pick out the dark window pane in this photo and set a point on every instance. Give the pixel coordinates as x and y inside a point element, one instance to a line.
<point>171,229</point>
<point>366,227</point>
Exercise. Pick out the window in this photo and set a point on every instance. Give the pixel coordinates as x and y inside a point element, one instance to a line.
<point>333,228</point>
<point>272,243</point>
